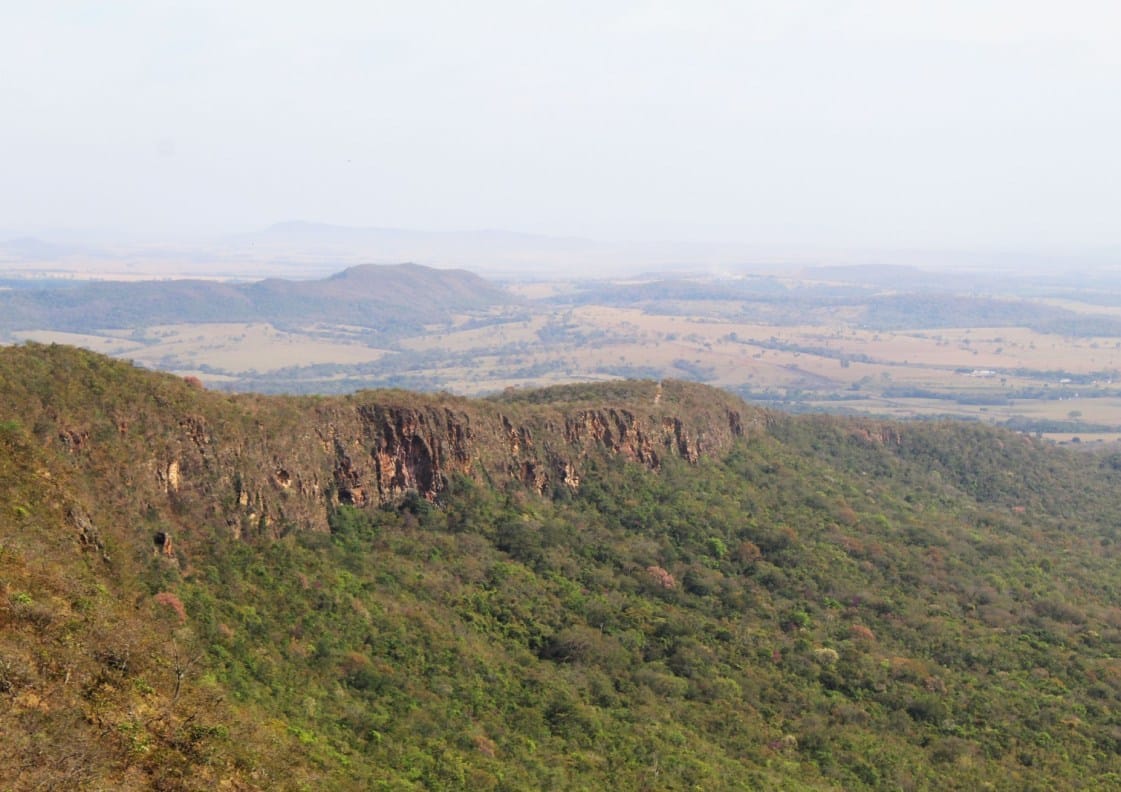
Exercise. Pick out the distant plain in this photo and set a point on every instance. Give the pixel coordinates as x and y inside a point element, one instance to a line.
<point>1044,366</point>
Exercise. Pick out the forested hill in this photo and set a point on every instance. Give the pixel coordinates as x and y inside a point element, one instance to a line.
<point>635,585</point>
<point>400,297</point>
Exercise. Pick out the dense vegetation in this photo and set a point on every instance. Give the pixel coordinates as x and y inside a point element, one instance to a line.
<point>832,604</point>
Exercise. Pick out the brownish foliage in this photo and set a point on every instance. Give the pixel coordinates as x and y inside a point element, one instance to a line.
<point>661,577</point>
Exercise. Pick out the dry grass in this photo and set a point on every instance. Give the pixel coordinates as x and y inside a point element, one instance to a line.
<point>107,344</point>
<point>598,342</point>
<point>233,347</point>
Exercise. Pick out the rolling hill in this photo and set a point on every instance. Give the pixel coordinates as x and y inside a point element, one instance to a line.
<point>391,299</point>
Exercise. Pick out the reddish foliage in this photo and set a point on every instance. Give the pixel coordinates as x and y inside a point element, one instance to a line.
<point>486,746</point>
<point>169,600</point>
<point>748,553</point>
<point>862,632</point>
<point>850,544</point>
<point>661,577</point>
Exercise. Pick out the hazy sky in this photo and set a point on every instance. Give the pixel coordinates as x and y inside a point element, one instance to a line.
<point>872,123</point>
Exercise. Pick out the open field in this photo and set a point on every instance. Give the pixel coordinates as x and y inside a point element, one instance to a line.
<point>849,369</point>
<point>235,348</point>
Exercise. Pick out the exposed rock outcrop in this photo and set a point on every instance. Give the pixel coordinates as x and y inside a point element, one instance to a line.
<point>369,449</point>
<point>194,459</point>
<point>88,536</point>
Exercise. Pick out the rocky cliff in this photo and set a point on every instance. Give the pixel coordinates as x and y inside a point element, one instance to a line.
<point>375,448</point>
<point>266,466</point>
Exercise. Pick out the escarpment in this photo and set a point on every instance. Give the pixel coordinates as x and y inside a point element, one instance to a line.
<point>265,466</point>
<point>380,447</point>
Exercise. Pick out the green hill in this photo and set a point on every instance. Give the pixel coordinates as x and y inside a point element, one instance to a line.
<point>632,585</point>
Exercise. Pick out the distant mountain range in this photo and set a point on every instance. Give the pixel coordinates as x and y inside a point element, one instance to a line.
<point>310,249</point>
<point>318,248</point>
<point>404,296</point>
<point>29,248</point>
<point>303,249</point>
<point>490,251</point>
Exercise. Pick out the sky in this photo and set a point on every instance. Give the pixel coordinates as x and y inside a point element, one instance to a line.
<point>877,124</point>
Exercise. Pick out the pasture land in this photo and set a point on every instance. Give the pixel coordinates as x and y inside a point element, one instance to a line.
<point>1037,376</point>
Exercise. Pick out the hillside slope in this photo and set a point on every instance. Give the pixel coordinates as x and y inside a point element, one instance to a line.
<point>651,586</point>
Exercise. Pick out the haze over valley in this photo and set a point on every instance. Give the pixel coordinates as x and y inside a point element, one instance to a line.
<point>1041,353</point>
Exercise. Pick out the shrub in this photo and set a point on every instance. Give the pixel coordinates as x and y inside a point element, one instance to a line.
<point>169,600</point>
<point>661,577</point>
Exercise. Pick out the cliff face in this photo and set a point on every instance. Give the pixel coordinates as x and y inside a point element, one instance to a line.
<point>371,450</point>
<point>266,466</point>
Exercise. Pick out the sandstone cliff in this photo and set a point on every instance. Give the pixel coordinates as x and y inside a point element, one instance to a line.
<point>266,466</point>
<point>374,448</point>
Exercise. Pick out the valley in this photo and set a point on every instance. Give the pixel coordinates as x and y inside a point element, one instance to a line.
<point>1037,356</point>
